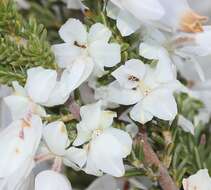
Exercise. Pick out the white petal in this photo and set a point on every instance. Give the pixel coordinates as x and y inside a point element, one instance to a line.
<point>50,180</point>
<point>73,4</point>
<point>91,167</point>
<point>124,140</point>
<point>185,124</point>
<point>139,114</point>
<point>112,10</point>
<point>134,68</point>
<point>161,103</point>
<point>56,137</point>
<point>164,69</point>
<point>201,46</point>
<point>104,54</point>
<point>77,74</point>
<point>144,10</point>
<point>58,96</point>
<point>77,156</point>
<point>66,54</point>
<point>200,180</point>
<point>107,152</point>
<point>5,115</point>
<point>73,31</point>
<point>19,179</point>
<point>19,90</point>
<point>19,106</point>
<point>19,142</point>
<point>89,69</point>
<point>173,13</point>
<point>107,182</point>
<point>127,23</point>
<point>76,4</point>
<point>132,129</point>
<point>149,51</point>
<point>106,118</point>
<point>119,95</point>
<point>39,91</point>
<point>90,115</point>
<point>99,32</point>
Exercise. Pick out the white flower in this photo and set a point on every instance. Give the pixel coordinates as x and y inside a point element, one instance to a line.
<point>23,4</point>
<point>150,89</point>
<point>202,117</point>
<point>19,178</point>
<point>182,49</point>
<point>131,14</point>
<point>56,139</point>
<point>104,147</point>
<point>5,116</point>
<point>185,124</point>
<point>20,104</point>
<point>51,180</point>
<point>44,87</point>
<point>84,51</point>
<point>75,4</point>
<point>107,182</point>
<point>202,8</point>
<point>18,145</point>
<point>179,16</point>
<point>199,181</point>
<point>41,89</point>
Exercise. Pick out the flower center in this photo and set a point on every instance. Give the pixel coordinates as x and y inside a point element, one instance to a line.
<point>79,45</point>
<point>97,132</point>
<point>192,22</point>
<point>145,90</point>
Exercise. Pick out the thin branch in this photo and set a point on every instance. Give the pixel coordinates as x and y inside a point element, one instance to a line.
<point>151,158</point>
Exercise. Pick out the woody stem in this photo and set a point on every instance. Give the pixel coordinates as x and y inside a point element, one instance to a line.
<point>151,158</point>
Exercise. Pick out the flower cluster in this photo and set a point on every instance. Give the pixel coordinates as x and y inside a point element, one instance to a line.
<point>172,39</point>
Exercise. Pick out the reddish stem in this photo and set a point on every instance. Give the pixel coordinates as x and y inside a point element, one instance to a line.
<point>151,158</point>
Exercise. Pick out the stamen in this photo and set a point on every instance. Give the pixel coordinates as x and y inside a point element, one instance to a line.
<point>133,78</point>
<point>192,22</point>
<point>25,124</point>
<point>17,151</point>
<point>97,132</point>
<point>144,88</point>
<point>78,45</point>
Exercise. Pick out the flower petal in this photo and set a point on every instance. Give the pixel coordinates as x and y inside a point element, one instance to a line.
<point>39,91</point>
<point>107,152</point>
<point>73,31</point>
<point>90,115</point>
<point>144,10</point>
<point>122,96</point>
<point>185,124</point>
<point>139,114</point>
<point>51,180</point>
<point>66,54</point>
<point>77,156</point>
<point>56,138</point>
<point>132,68</point>
<point>104,54</point>
<point>127,23</point>
<point>99,32</point>
<point>161,103</point>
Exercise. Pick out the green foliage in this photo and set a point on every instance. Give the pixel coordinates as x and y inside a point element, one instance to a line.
<point>23,45</point>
